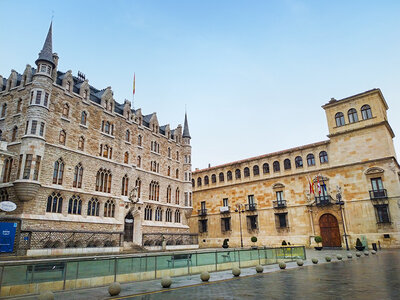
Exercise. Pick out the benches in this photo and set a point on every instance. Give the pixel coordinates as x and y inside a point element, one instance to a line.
<point>49,267</point>
<point>179,257</point>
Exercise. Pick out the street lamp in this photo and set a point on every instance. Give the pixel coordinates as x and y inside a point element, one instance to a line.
<point>340,202</point>
<point>240,210</point>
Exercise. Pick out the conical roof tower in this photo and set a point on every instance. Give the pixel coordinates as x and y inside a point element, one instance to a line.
<point>47,51</point>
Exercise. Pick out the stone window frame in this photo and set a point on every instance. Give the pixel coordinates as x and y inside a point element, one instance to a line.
<point>339,119</point>
<point>58,171</point>
<point>352,115</point>
<point>310,159</point>
<point>298,161</point>
<point>109,209</point>
<point>104,180</point>
<point>75,205</point>
<point>93,207</point>
<point>54,203</point>
<point>78,176</point>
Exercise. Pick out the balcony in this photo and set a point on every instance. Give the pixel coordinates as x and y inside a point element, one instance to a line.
<point>225,209</point>
<point>251,206</point>
<point>202,212</point>
<point>323,200</point>
<point>378,194</point>
<point>279,203</point>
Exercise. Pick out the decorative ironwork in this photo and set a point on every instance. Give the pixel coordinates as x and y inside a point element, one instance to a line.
<point>202,212</point>
<point>251,206</point>
<point>378,194</point>
<point>156,239</point>
<point>279,203</point>
<point>323,200</point>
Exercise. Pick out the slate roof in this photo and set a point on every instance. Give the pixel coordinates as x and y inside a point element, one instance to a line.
<point>186,133</point>
<point>47,51</point>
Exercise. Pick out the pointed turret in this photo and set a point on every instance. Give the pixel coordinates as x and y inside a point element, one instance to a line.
<point>186,133</point>
<point>47,51</point>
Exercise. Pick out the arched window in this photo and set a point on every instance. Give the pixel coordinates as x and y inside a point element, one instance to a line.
<point>352,114</point>
<point>229,175</point>
<point>139,140</point>
<point>65,112</point>
<point>339,117</point>
<point>169,152</point>
<point>265,168</point>
<point>177,198</point>
<point>276,166</point>
<point>127,136</point>
<point>103,180</point>
<point>198,181</point>
<point>154,191</point>
<point>139,161</point>
<point>81,143</point>
<point>7,169</point>
<point>177,173</point>
<point>158,214</point>
<point>213,178</point>
<point>126,157</point>
<point>109,208</point>
<point>107,127</point>
<point>177,155</point>
<point>19,106</point>
<point>169,194</point>
<point>193,183</point>
<point>75,205</point>
<point>168,215</point>
<point>206,180</point>
<point>286,164</point>
<point>83,118</point>
<point>14,134</point>
<point>3,110</point>
<point>237,174</point>
<point>298,161</point>
<point>93,207</point>
<point>256,170</point>
<point>323,157</point>
<point>177,216</point>
<point>310,160</point>
<point>3,195</point>
<point>78,175</point>
<point>148,213</point>
<point>169,171</point>
<point>62,137</point>
<point>366,112</point>
<point>125,184</point>
<point>138,184</point>
<point>221,177</point>
<point>54,203</point>
<point>58,171</point>
<point>246,172</point>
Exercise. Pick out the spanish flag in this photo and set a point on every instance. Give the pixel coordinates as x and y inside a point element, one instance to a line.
<point>311,186</point>
<point>134,79</point>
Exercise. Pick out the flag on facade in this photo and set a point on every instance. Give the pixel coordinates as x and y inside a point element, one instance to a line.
<point>134,79</point>
<point>323,184</point>
<point>319,186</point>
<point>311,186</point>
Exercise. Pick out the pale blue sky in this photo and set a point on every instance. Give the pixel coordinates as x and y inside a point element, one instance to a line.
<point>253,74</point>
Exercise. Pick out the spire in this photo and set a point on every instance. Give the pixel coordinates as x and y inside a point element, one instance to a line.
<point>47,51</point>
<point>186,133</point>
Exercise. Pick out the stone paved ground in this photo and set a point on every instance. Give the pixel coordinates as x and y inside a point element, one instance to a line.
<point>373,277</point>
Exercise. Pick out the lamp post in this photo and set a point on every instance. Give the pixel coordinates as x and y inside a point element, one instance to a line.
<point>340,202</point>
<point>240,209</point>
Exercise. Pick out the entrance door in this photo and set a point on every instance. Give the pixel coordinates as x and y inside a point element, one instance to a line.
<point>329,231</point>
<point>128,228</point>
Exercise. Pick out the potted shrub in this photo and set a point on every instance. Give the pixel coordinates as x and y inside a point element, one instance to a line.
<point>284,243</point>
<point>359,245</point>
<point>318,240</point>
<point>254,240</point>
<point>225,244</point>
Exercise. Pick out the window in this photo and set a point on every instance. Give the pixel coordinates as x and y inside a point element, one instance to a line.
<point>169,194</point>
<point>281,220</point>
<point>81,143</point>
<point>93,207</point>
<point>298,161</point>
<point>177,155</point>
<point>382,213</point>
<point>139,140</point>
<point>206,180</point>
<point>203,226</point>
<point>27,168</point>
<point>14,134</point>
<point>177,198</point>
<point>198,182</point>
<point>221,177</point>
<point>286,164</point>
<point>37,167</point>
<point>366,112</point>
<point>126,157</point>
<point>154,191</point>
<point>339,117</point>
<point>41,130</point>
<point>62,137</point>
<point>225,224</point>
<point>265,168</point>
<point>139,161</point>
<point>106,151</point>
<point>19,106</point>
<point>54,203</point>
<point>125,184</point>
<point>78,175</point>
<point>229,175</point>
<point>103,180</point>
<point>19,166</point>
<point>127,136</point>
<point>65,112</point>
<point>58,171</point>
<point>177,173</point>
<point>279,196</point>
<point>213,178</point>
<point>276,166</point>
<point>252,223</point>
<point>33,127</point>
<point>46,99</point>
<point>3,195</point>
<point>237,174</point>
<point>138,184</point>
<point>323,157</point>
<point>75,205</point>
<point>310,160</point>
<point>169,152</point>
<point>256,171</point>
<point>250,199</point>
<point>109,208</point>
<point>158,214</point>
<point>68,86</point>
<point>352,114</point>
<point>168,215</point>
<point>83,118</point>
<point>85,94</point>
<point>169,171</point>
<point>38,97</point>
<point>148,213</point>
<point>107,127</point>
<point>377,184</point>
<point>225,202</point>
<point>246,172</point>
<point>7,169</point>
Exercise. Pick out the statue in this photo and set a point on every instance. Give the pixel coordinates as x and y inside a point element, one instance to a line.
<point>133,195</point>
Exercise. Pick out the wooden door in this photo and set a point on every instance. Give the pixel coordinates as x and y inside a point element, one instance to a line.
<point>128,228</point>
<point>330,231</point>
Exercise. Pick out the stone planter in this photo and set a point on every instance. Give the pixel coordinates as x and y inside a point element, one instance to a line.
<point>300,262</point>
<point>205,276</point>
<point>339,257</point>
<point>46,295</point>
<point>314,261</point>
<point>328,258</point>
<point>259,269</point>
<point>282,265</point>
<point>358,254</point>
<point>114,289</point>
<point>366,253</point>
<point>318,248</point>
<point>373,252</point>
<point>166,282</point>
<point>236,272</point>
<point>349,255</point>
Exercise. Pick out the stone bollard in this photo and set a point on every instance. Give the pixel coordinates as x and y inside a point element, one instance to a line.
<point>314,261</point>
<point>114,289</point>
<point>366,253</point>
<point>349,255</point>
<point>166,282</point>
<point>236,271</point>
<point>259,269</point>
<point>282,265</point>
<point>358,254</point>
<point>373,252</point>
<point>300,262</point>
<point>328,258</point>
<point>339,257</point>
<point>205,276</point>
<point>46,295</point>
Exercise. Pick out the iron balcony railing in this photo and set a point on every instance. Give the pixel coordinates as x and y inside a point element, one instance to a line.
<point>225,209</point>
<point>378,194</point>
<point>279,203</point>
<point>251,206</point>
<point>323,200</point>
<point>202,212</point>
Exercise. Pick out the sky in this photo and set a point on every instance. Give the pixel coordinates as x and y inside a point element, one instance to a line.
<point>252,75</point>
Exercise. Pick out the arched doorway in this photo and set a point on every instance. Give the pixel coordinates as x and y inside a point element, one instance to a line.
<point>128,228</point>
<point>330,231</point>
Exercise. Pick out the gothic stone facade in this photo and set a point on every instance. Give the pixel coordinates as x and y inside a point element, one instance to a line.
<point>78,154</point>
<point>273,193</point>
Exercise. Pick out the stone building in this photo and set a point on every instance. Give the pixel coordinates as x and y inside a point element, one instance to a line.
<point>87,171</point>
<point>346,184</point>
